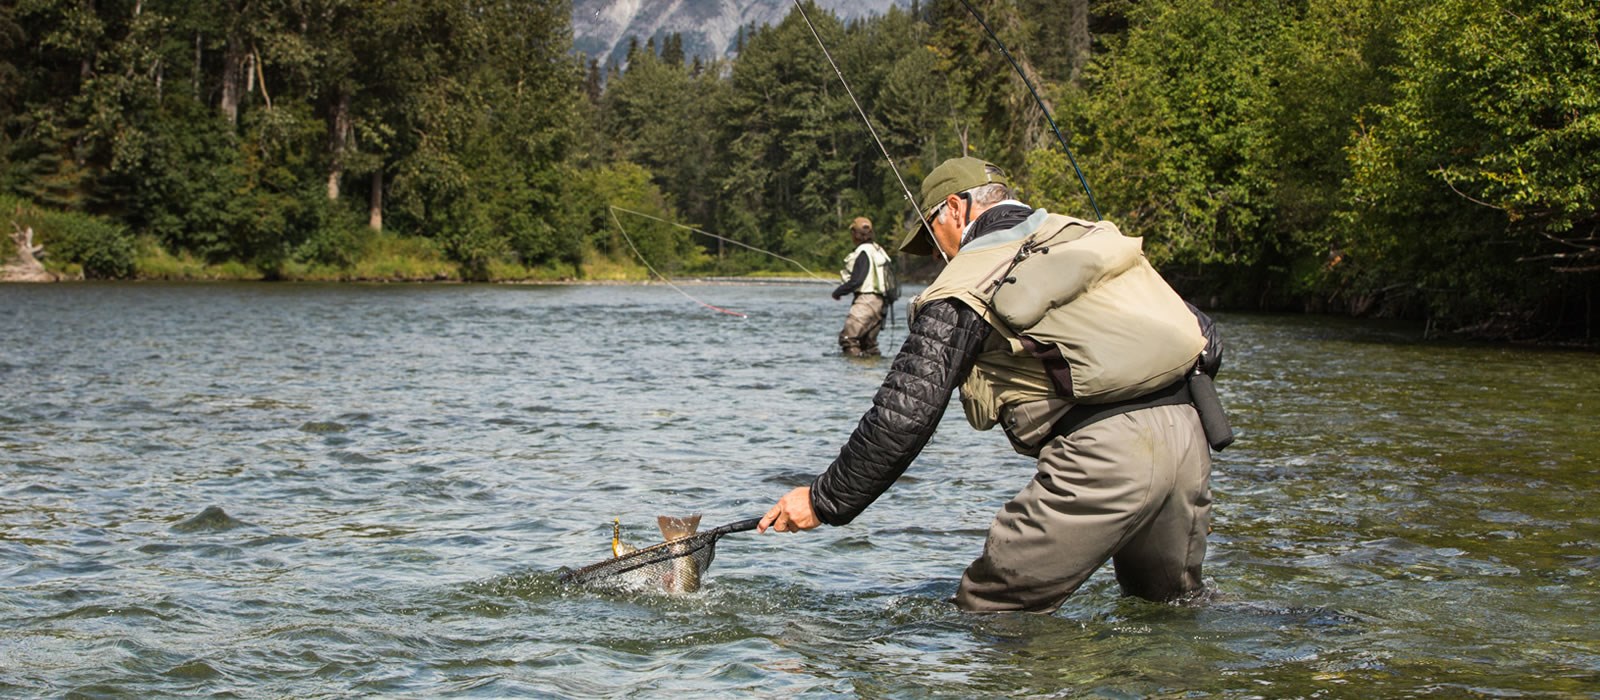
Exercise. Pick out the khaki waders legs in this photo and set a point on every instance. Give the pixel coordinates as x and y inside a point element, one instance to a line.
<point>1133,488</point>
<point>860,334</point>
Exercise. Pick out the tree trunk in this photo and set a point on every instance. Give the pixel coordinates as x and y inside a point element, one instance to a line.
<point>249,73</point>
<point>1077,39</point>
<point>375,204</point>
<point>338,139</point>
<point>198,56</point>
<point>232,70</point>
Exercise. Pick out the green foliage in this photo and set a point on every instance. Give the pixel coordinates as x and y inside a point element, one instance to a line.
<point>784,116</point>
<point>104,249</point>
<point>182,183</point>
<point>1476,181</point>
<point>1332,65</point>
<point>661,116</point>
<point>640,234</point>
<point>1170,133</point>
<point>389,257</point>
<point>337,240</point>
<point>223,131</point>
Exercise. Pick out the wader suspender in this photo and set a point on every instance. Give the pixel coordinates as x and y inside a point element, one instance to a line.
<point>1055,366</point>
<point>877,271</point>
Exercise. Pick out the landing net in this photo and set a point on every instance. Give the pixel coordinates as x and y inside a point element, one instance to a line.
<point>646,568</point>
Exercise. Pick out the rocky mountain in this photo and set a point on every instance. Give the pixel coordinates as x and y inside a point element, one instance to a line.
<point>601,28</point>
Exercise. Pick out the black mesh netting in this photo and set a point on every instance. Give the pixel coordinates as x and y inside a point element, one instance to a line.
<point>677,566</point>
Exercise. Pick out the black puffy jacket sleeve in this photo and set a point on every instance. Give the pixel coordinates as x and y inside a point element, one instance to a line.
<point>939,351</point>
<point>858,276</point>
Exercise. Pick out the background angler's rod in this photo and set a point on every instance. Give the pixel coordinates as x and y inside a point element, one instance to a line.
<point>692,229</point>
<point>653,270</point>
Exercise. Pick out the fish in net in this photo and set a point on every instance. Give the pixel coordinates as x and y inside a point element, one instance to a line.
<point>673,566</point>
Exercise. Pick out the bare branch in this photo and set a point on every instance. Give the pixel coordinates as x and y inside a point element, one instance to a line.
<point>1445,174</point>
<point>1584,244</point>
<point>262,76</point>
<point>1591,253</point>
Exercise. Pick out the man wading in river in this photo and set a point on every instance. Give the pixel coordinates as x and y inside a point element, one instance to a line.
<point>1058,330</point>
<point>866,275</point>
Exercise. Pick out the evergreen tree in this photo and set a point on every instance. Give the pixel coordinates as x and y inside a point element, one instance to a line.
<point>672,50</point>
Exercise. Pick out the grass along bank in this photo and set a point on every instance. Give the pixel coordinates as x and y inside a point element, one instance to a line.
<point>82,246</point>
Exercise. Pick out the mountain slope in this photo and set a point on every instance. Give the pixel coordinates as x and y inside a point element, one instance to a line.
<point>601,28</point>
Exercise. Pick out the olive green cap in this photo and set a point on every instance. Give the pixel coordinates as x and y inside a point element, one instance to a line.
<point>953,176</point>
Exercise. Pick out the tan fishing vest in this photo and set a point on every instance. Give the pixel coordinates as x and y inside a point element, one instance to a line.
<point>1084,291</point>
<point>874,284</point>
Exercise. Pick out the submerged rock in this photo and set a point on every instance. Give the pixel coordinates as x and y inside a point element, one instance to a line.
<point>212,519</point>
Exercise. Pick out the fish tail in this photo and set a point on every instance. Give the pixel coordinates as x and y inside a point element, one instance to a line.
<point>675,528</point>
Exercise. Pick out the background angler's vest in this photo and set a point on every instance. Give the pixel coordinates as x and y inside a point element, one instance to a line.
<point>874,284</point>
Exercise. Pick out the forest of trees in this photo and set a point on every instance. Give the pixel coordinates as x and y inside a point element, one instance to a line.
<point>1427,159</point>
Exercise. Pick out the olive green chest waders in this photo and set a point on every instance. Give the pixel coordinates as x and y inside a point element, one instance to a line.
<point>859,337</point>
<point>1133,488</point>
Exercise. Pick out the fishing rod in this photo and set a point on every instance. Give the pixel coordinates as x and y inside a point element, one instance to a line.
<point>647,266</point>
<point>1070,159</point>
<point>910,200</point>
<point>791,261</point>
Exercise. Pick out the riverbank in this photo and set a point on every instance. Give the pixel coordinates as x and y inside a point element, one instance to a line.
<point>383,259</point>
<point>227,273</point>
<point>57,245</point>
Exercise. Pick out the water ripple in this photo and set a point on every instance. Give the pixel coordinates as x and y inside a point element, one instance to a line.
<point>320,491</point>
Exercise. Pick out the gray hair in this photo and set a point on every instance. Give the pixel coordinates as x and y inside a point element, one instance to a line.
<point>982,196</point>
<point>992,193</point>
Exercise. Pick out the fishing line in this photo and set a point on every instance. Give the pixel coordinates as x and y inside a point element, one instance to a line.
<point>903,188</point>
<point>1074,161</point>
<point>791,261</point>
<point>647,266</point>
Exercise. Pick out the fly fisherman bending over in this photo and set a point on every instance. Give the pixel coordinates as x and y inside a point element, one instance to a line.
<point>865,274</point>
<point>1058,330</point>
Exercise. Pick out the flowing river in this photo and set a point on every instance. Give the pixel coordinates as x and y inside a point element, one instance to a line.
<point>394,474</point>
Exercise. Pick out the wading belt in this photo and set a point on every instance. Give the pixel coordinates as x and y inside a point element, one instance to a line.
<point>1084,414</point>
